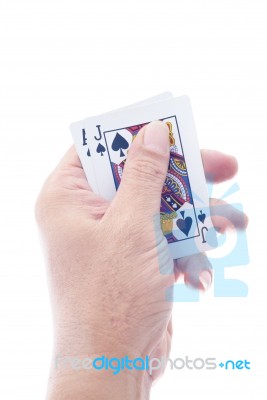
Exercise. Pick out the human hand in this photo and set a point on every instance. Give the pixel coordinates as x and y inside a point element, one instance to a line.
<point>106,286</point>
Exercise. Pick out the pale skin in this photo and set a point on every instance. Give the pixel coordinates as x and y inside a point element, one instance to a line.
<point>107,292</point>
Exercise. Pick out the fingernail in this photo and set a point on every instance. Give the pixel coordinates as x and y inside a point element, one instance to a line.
<point>156,136</point>
<point>205,279</point>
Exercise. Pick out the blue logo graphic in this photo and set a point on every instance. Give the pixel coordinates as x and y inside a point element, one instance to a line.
<point>232,255</point>
<point>240,364</point>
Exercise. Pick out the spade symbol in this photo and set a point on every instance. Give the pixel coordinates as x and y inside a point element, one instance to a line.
<point>119,143</point>
<point>202,217</point>
<point>184,224</point>
<point>100,149</point>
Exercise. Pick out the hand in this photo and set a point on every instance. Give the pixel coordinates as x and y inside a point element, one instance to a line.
<point>107,291</point>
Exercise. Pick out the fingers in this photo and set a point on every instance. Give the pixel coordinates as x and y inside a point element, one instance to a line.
<point>218,166</point>
<point>70,159</point>
<point>197,271</point>
<point>70,172</point>
<point>145,170</point>
<point>224,216</point>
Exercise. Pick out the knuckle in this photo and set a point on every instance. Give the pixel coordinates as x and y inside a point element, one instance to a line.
<point>146,170</point>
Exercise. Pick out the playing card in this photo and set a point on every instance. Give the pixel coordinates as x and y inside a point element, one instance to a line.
<point>184,212</point>
<point>85,150</point>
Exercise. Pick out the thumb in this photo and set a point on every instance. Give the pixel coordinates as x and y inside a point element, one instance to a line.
<point>145,170</point>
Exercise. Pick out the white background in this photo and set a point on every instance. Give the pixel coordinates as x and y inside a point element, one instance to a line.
<point>65,60</point>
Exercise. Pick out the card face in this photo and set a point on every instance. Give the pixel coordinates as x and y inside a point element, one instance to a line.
<point>184,211</point>
<point>85,150</point>
<point>177,211</point>
<point>79,135</point>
